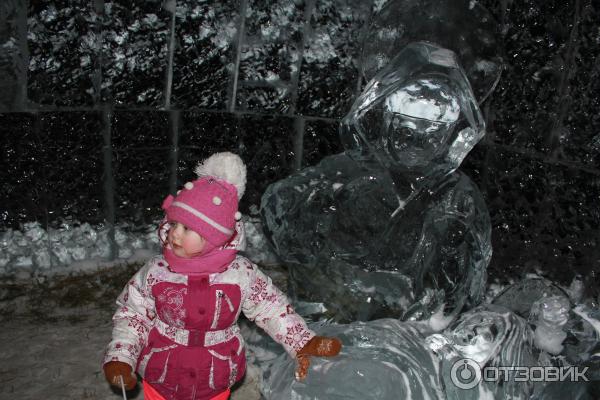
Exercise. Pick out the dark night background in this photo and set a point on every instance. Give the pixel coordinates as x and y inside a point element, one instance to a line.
<point>100,125</point>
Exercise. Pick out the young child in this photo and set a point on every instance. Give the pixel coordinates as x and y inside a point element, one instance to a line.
<point>176,324</point>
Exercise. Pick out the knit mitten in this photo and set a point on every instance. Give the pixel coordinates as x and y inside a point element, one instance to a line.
<point>319,346</point>
<point>114,369</point>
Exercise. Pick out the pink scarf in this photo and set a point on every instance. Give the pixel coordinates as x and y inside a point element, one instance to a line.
<point>215,259</point>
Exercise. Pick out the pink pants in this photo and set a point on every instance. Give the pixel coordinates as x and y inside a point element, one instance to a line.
<point>151,394</point>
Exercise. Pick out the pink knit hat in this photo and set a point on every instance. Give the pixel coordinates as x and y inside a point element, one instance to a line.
<point>209,205</point>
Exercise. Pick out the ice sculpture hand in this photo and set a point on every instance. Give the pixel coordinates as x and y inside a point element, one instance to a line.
<point>319,346</point>
<point>114,369</point>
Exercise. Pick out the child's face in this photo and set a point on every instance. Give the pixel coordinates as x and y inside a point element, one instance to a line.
<point>184,241</point>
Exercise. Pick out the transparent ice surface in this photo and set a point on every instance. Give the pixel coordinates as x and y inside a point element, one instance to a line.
<point>581,347</point>
<point>383,359</point>
<point>389,227</point>
<point>388,359</point>
<point>565,390</point>
<point>567,331</point>
<point>550,315</point>
<point>492,336</point>
<point>521,296</point>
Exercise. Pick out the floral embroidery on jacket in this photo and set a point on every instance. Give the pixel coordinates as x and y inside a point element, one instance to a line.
<point>151,280</point>
<point>260,293</point>
<point>297,336</point>
<point>288,311</point>
<point>172,310</point>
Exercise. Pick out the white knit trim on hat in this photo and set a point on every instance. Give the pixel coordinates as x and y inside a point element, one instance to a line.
<point>203,217</point>
<point>225,166</point>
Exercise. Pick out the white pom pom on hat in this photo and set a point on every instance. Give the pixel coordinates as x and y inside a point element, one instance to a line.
<point>226,166</point>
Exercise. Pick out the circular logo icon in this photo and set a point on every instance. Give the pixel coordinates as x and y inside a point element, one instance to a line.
<point>465,373</point>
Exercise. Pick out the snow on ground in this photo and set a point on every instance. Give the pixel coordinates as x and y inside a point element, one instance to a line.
<point>61,360</point>
<point>54,360</point>
<point>54,333</point>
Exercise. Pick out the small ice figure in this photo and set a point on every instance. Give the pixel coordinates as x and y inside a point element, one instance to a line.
<point>488,336</point>
<point>390,227</point>
<point>550,315</point>
<point>387,359</point>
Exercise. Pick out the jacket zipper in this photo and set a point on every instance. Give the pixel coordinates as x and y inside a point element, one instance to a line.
<point>218,301</point>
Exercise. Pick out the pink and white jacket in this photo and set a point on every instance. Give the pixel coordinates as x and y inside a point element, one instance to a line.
<point>180,332</point>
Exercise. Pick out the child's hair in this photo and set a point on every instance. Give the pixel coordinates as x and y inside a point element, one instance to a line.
<point>163,232</point>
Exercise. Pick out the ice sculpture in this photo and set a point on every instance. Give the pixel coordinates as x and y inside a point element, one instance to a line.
<point>550,315</point>
<point>559,329</point>
<point>389,227</point>
<point>388,359</point>
<point>582,345</point>
<point>383,359</point>
<point>521,296</point>
<point>487,336</point>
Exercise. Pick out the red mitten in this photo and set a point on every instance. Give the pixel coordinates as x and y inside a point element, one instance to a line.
<point>319,346</point>
<point>114,369</point>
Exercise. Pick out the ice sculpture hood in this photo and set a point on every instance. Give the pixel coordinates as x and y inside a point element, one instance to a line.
<point>417,113</point>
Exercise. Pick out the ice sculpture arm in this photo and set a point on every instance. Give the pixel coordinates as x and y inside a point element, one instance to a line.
<point>453,251</point>
<point>132,321</point>
<point>266,305</point>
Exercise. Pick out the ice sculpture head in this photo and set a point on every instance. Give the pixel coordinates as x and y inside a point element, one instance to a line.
<point>490,334</point>
<point>552,311</point>
<point>417,112</point>
<point>418,120</point>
